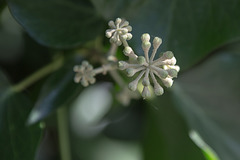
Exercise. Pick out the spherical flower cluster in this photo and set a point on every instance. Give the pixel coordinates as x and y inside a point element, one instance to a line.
<point>118,31</point>
<point>84,74</point>
<point>164,67</point>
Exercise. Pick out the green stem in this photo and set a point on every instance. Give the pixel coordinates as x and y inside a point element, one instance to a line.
<point>62,118</point>
<point>38,75</point>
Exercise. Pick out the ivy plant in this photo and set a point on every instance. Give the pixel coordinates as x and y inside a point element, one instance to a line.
<point>104,80</point>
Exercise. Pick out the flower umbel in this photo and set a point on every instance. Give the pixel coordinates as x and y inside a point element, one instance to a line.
<point>84,74</point>
<point>163,68</point>
<point>118,31</point>
<point>149,70</point>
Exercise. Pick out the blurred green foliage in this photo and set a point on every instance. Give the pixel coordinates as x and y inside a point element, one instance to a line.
<point>37,55</point>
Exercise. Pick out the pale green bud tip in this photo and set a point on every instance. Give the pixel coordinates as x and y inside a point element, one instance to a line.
<point>122,65</point>
<point>157,42</point>
<point>111,24</point>
<point>146,45</point>
<point>130,72</point>
<point>168,54</point>
<point>127,50</point>
<point>141,60</point>
<point>118,20</point>
<point>146,81</point>
<point>92,80</point>
<point>172,73</point>
<point>129,28</point>
<point>158,90</point>
<point>146,93</point>
<point>133,85</point>
<point>76,68</point>
<point>85,63</point>
<point>108,34</point>
<point>145,37</point>
<point>84,82</point>
<point>163,74</point>
<point>77,79</point>
<point>129,36</point>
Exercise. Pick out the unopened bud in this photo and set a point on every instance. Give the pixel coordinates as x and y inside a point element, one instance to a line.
<point>127,51</point>
<point>141,60</point>
<point>145,37</point>
<point>146,92</point>
<point>168,54</point>
<point>168,82</point>
<point>172,73</point>
<point>157,42</point>
<point>133,85</point>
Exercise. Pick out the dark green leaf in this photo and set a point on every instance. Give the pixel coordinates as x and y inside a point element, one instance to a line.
<point>57,23</point>
<point>191,29</point>
<point>2,5</point>
<point>17,140</point>
<point>59,90</point>
<point>166,134</point>
<point>208,97</point>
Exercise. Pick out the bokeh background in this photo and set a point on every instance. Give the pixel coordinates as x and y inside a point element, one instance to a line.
<point>44,115</point>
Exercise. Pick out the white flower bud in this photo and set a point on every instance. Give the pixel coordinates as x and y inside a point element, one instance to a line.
<point>129,28</point>
<point>77,78</point>
<point>84,82</point>
<point>124,24</point>
<point>118,21</point>
<point>111,24</point>
<point>76,68</point>
<point>177,68</point>
<point>118,43</point>
<point>146,92</point>
<point>168,82</point>
<point>127,51</point>
<point>145,37</point>
<point>85,63</point>
<point>157,42</point>
<point>108,34</point>
<point>129,36</point>
<point>92,80</point>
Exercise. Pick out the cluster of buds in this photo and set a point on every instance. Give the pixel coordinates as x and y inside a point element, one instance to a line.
<point>118,32</point>
<point>84,74</point>
<point>151,71</point>
<point>164,67</point>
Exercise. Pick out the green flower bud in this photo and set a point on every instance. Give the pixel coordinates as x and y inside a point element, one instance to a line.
<point>141,60</point>
<point>145,37</point>
<point>146,92</point>
<point>172,73</point>
<point>168,54</point>
<point>157,42</point>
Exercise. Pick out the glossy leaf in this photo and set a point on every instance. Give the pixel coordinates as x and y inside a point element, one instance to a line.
<point>59,90</point>
<point>208,97</point>
<point>17,140</point>
<point>165,133</point>
<point>191,29</point>
<point>57,23</point>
